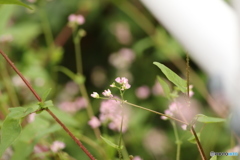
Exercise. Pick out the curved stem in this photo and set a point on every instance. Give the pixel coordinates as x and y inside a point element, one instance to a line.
<point>156,112</point>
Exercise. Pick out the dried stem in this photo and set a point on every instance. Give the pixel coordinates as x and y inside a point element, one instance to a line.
<point>49,111</point>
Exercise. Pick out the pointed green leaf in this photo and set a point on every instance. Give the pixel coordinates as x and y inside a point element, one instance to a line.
<point>111,143</point>
<point>205,119</point>
<point>166,88</point>
<point>192,138</point>
<point>173,77</point>
<point>10,131</point>
<point>46,93</point>
<point>17,2</point>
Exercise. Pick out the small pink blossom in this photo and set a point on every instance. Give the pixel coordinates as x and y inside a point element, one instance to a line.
<point>107,93</point>
<point>95,95</point>
<point>143,92</point>
<point>31,117</point>
<point>57,145</point>
<point>137,158</point>
<point>191,93</point>
<point>77,19</point>
<point>167,112</point>
<point>124,82</point>
<point>184,127</point>
<point>94,122</point>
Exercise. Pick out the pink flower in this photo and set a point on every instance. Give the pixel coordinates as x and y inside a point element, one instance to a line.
<point>122,32</point>
<point>73,107</point>
<point>31,117</point>
<point>94,122</point>
<point>143,92</point>
<point>157,89</point>
<point>111,111</point>
<point>123,82</point>
<point>122,59</point>
<point>57,145</point>
<point>184,127</point>
<point>77,19</point>
<point>167,112</point>
<point>137,158</point>
<point>107,93</point>
<point>95,95</point>
<point>81,103</point>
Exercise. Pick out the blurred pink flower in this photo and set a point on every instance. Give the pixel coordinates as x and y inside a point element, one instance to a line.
<point>142,92</point>
<point>156,142</point>
<point>32,1</point>
<point>31,117</point>
<point>123,59</point>
<point>122,32</point>
<point>94,122</point>
<point>72,107</point>
<point>77,19</point>
<point>157,89</point>
<point>81,103</point>
<point>137,158</point>
<point>57,145</point>
<point>111,111</point>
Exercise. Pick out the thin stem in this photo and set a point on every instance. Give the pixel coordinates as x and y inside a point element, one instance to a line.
<point>83,90</point>
<point>156,112</point>
<point>40,100</point>
<point>178,142</point>
<point>200,149</point>
<point>78,54</point>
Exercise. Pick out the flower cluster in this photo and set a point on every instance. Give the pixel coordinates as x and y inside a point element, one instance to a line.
<point>123,82</point>
<point>122,85</point>
<point>74,20</point>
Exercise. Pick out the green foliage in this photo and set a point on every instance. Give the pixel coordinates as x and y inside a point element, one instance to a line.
<point>192,139</point>
<point>165,86</point>
<point>16,2</point>
<point>110,143</point>
<point>205,119</point>
<point>214,158</point>
<point>173,77</point>
<point>11,127</point>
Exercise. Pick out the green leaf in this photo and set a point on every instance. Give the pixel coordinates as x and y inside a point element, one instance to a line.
<point>20,112</point>
<point>192,138</point>
<point>166,88</point>
<point>205,119</point>
<point>45,94</point>
<point>10,131</point>
<point>14,2</point>
<point>111,143</point>
<point>214,158</point>
<point>46,104</point>
<point>173,77</point>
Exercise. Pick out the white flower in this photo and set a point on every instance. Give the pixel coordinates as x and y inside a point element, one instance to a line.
<point>95,95</point>
<point>107,93</point>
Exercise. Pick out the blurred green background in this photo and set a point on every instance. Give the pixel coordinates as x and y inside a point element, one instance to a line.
<point>122,39</point>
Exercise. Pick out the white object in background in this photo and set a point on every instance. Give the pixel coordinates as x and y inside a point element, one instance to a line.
<point>209,31</point>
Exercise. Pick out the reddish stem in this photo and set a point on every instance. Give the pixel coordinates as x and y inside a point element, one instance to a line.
<point>50,112</point>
